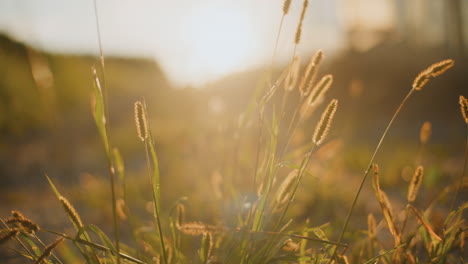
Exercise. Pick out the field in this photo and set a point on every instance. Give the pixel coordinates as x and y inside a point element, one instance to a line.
<point>355,158</point>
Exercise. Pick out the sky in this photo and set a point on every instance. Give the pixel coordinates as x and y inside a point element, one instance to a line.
<point>194,41</point>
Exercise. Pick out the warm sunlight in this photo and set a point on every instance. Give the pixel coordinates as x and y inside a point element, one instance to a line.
<point>218,40</point>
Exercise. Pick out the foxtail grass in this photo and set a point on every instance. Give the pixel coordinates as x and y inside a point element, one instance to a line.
<point>419,82</point>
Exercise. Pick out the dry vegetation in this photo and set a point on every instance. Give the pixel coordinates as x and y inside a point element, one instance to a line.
<point>265,159</point>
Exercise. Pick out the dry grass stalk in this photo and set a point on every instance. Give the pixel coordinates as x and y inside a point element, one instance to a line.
<point>284,190</point>
<point>323,126</point>
<point>371,226</point>
<point>140,121</point>
<point>207,245</point>
<point>320,89</point>
<point>286,6</point>
<point>425,133</point>
<point>297,38</point>
<point>25,224</point>
<point>180,215</point>
<point>415,184</point>
<point>464,107</point>
<point>386,206</point>
<point>387,211</point>
<point>293,74</point>
<point>71,212</point>
<point>48,250</point>
<point>434,70</point>
<point>310,73</point>
<point>198,228</point>
<point>7,234</point>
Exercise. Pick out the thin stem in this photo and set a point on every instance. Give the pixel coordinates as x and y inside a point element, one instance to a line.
<point>107,125</point>
<point>301,172</point>
<point>276,43</point>
<point>156,207</point>
<point>95,246</point>
<point>345,225</point>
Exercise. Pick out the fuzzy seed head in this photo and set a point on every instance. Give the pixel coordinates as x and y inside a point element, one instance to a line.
<point>48,250</point>
<point>286,6</point>
<point>197,228</point>
<point>441,67</point>
<point>284,190</point>
<point>297,38</point>
<point>434,70</point>
<point>415,184</point>
<point>320,89</point>
<point>7,234</point>
<point>310,73</point>
<point>323,126</point>
<point>464,107</point>
<point>140,121</point>
<point>71,212</point>
<point>426,131</point>
<point>293,74</point>
<point>23,223</point>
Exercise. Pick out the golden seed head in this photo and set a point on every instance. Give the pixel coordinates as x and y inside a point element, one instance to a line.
<point>197,228</point>
<point>284,190</point>
<point>293,74</point>
<point>415,184</point>
<point>297,38</point>
<point>71,212</point>
<point>425,134</point>
<point>320,89</point>
<point>286,5</point>
<point>20,221</point>
<point>464,107</point>
<point>140,121</point>
<point>434,70</point>
<point>7,234</point>
<point>310,73</point>
<point>441,67</point>
<point>321,130</point>
<point>48,250</point>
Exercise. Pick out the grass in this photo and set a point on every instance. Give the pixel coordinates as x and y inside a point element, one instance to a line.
<point>257,227</point>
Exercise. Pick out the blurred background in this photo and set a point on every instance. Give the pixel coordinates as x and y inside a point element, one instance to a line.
<point>197,63</point>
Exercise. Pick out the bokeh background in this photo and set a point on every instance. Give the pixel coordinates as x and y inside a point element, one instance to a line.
<point>197,63</point>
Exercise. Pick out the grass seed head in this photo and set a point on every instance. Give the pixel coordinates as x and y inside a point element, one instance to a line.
<point>48,250</point>
<point>286,6</point>
<point>71,212</point>
<point>415,184</point>
<point>7,234</point>
<point>293,74</point>
<point>320,89</point>
<point>425,133</point>
<point>284,190</point>
<point>310,73</point>
<point>464,107</point>
<point>140,121</point>
<point>25,224</point>
<point>323,126</point>
<point>297,37</point>
<point>434,70</point>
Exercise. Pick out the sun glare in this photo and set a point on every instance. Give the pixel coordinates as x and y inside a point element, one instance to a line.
<point>219,41</point>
